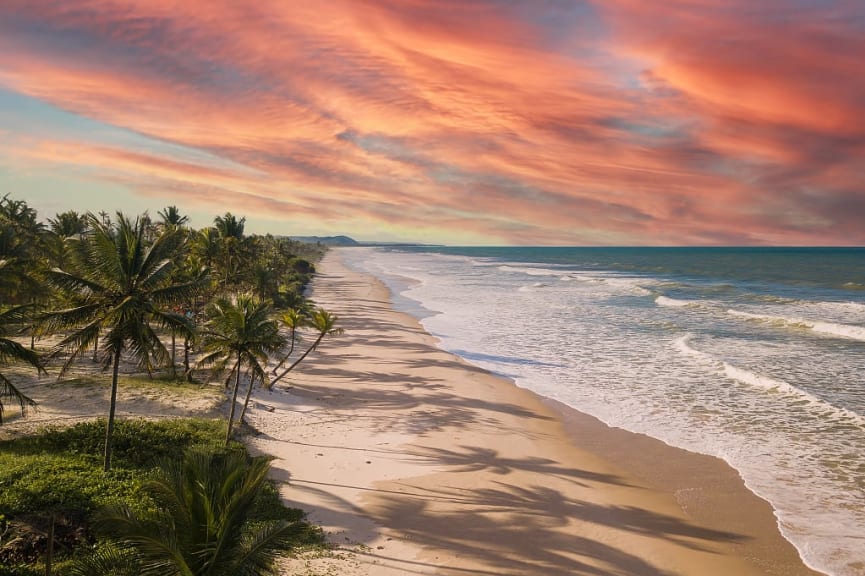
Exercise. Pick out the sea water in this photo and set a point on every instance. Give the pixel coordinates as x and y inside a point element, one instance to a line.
<point>756,356</point>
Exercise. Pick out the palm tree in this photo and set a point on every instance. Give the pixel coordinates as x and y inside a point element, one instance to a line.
<point>240,332</point>
<point>122,285</point>
<point>325,323</point>
<point>11,351</point>
<point>21,238</point>
<point>171,217</point>
<point>231,245</point>
<point>203,524</point>
<point>68,224</point>
<point>291,319</point>
<point>229,226</point>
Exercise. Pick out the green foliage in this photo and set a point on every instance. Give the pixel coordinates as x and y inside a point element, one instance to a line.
<point>203,521</point>
<point>138,443</point>
<point>57,472</point>
<point>35,484</point>
<point>58,469</point>
<point>21,569</point>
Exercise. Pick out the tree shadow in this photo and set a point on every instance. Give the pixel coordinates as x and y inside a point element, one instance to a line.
<point>507,529</point>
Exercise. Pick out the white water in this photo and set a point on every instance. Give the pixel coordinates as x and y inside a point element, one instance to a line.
<point>774,388</point>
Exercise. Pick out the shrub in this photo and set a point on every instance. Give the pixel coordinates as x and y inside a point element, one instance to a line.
<point>57,473</point>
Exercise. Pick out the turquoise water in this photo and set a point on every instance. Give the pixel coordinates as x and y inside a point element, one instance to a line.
<point>753,355</point>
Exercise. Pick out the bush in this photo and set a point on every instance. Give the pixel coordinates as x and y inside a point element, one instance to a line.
<point>137,443</point>
<point>58,473</point>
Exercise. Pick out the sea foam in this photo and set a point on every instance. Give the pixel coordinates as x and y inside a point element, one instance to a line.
<point>827,328</point>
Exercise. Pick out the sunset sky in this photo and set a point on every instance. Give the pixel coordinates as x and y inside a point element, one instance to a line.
<point>567,122</point>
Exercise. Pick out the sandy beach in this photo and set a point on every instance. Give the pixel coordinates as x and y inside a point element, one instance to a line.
<point>415,462</point>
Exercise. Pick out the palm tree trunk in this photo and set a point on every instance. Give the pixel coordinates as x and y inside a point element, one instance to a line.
<point>233,399</point>
<point>109,429</point>
<point>49,554</point>
<point>296,362</point>
<point>186,359</point>
<point>96,349</point>
<point>290,351</point>
<point>248,395</point>
<point>173,364</point>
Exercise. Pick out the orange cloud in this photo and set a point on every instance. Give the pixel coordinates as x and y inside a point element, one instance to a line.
<point>615,122</point>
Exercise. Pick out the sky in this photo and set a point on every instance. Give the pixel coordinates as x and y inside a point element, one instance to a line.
<point>503,122</point>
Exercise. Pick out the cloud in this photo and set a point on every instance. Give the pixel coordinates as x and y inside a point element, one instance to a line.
<point>545,122</point>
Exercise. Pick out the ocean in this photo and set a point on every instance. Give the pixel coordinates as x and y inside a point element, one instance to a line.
<point>753,355</point>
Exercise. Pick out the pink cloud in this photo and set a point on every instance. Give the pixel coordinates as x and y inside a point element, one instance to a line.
<point>681,123</point>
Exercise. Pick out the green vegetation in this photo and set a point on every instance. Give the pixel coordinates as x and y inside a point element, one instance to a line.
<point>240,331</point>
<point>122,287</point>
<point>127,289</point>
<point>55,477</point>
<point>11,351</point>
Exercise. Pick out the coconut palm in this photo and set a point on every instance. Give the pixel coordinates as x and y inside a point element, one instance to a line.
<point>68,224</point>
<point>122,285</point>
<point>240,333</point>
<point>171,217</point>
<point>202,524</point>
<point>12,351</point>
<point>20,251</point>
<point>232,248</point>
<point>292,319</point>
<point>325,324</point>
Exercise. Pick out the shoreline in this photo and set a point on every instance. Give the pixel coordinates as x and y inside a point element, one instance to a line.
<point>414,460</point>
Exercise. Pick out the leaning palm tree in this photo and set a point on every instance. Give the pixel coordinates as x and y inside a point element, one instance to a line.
<point>12,351</point>
<point>325,324</point>
<point>202,523</point>
<point>240,333</point>
<point>122,285</point>
<point>293,318</point>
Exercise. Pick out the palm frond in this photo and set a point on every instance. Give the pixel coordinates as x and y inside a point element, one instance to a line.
<point>108,560</point>
<point>9,391</point>
<point>74,283</point>
<point>12,351</point>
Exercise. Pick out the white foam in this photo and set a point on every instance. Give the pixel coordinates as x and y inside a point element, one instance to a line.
<point>531,271</point>
<point>674,303</point>
<point>842,330</point>
<point>827,328</point>
<point>765,382</point>
<point>533,287</point>
<point>780,386</point>
<point>683,346</point>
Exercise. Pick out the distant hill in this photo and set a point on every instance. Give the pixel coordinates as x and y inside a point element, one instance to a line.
<point>328,240</point>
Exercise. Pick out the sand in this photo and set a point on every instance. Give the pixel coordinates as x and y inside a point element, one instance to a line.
<point>416,462</point>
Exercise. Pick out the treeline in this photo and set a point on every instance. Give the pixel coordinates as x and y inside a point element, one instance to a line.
<point>273,268</point>
<point>120,287</point>
<point>153,292</point>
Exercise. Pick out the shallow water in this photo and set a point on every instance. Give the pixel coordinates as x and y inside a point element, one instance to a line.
<point>752,355</point>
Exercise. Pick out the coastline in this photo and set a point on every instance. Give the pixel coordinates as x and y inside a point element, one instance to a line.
<point>415,461</point>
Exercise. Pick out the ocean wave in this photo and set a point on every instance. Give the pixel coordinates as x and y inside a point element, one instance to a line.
<point>767,383</point>
<point>534,286</point>
<point>531,271</point>
<point>675,303</point>
<point>780,386</point>
<point>683,345</point>
<point>827,328</point>
<point>772,299</point>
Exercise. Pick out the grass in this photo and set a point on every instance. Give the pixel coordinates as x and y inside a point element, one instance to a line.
<point>57,474</point>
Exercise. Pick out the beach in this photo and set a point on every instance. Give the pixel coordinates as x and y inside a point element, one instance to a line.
<point>417,462</point>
